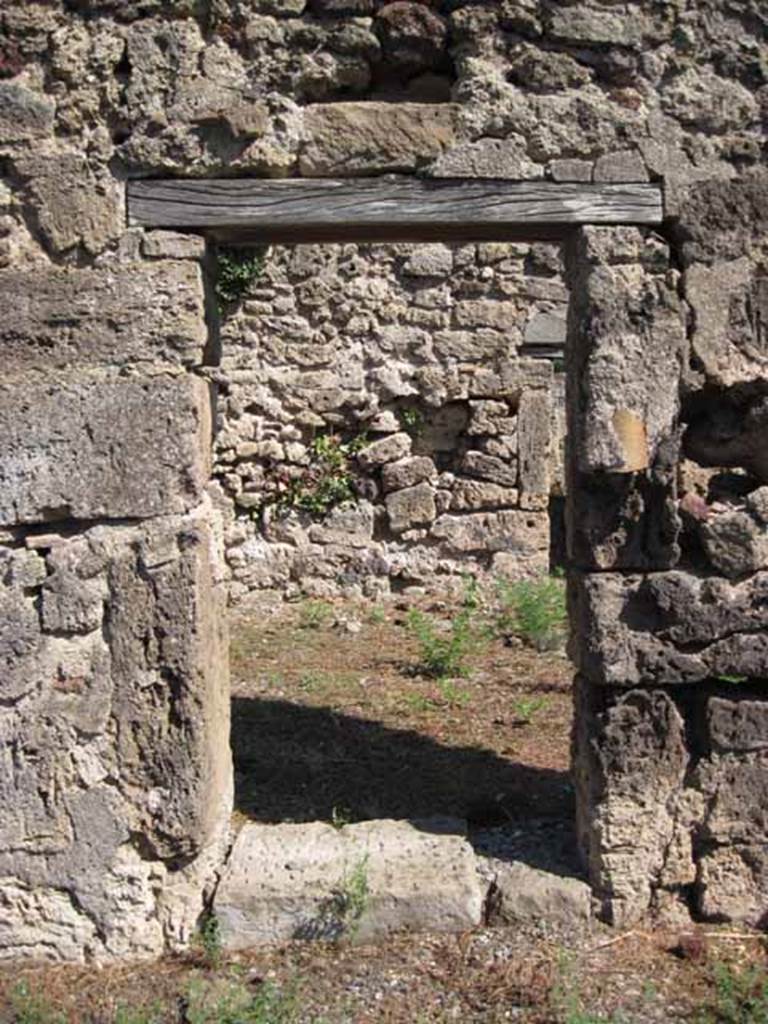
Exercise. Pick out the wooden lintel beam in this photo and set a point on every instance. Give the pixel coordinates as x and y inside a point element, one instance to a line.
<point>389,208</point>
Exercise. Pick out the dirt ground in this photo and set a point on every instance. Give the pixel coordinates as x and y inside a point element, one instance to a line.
<point>334,718</point>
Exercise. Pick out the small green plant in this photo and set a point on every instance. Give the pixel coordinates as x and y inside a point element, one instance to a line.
<point>351,898</point>
<point>741,996</point>
<point>377,616</point>
<point>419,702</point>
<point>237,269</point>
<point>444,652</point>
<point>534,610</point>
<point>314,614</point>
<point>526,707</point>
<point>209,940</point>
<point>453,695</point>
<point>340,816</point>
<point>732,679</point>
<point>412,422</point>
<point>326,482</point>
<point>211,1002</point>
<point>31,1008</point>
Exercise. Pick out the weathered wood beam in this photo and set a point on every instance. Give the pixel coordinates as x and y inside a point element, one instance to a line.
<point>390,208</point>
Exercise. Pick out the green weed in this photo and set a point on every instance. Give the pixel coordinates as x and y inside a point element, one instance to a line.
<point>352,897</point>
<point>31,1008</point>
<point>314,614</point>
<point>237,269</point>
<point>209,1002</point>
<point>443,653</point>
<point>327,481</point>
<point>453,695</point>
<point>534,610</point>
<point>209,941</point>
<point>741,996</point>
<point>525,708</point>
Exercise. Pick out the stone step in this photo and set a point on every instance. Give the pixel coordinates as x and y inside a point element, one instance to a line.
<point>363,882</point>
<point>360,882</point>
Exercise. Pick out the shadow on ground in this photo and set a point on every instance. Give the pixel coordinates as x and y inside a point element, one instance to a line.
<point>297,763</point>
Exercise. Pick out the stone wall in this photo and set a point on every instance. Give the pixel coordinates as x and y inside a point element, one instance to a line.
<point>113,705</point>
<point>410,362</point>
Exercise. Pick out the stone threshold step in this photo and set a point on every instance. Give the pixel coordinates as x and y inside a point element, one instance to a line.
<point>363,882</point>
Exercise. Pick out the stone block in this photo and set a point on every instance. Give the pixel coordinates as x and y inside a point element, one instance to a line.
<point>525,894</point>
<point>489,467</point>
<point>585,25</point>
<point>435,260</point>
<point>571,170</point>
<point>717,220</point>
<point>396,476</point>
<point>73,203</point>
<point>509,378</point>
<point>173,245</point>
<point>626,165</point>
<point>500,314</point>
<point>476,345</point>
<point>670,627</point>
<point>359,883</point>
<point>534,433</point>
<point>729,301</point>
<point>547,328</point>
<point>93,447</point>
<point>735,541</point>
<point>629,766</point>
<point>733,884</point>
<point>387,449</point>
<point>411,507</point>
<point>473,495</point>
<point>24,115</point>
<point>737,725</point>
<point>628,347</point>
<point>363,138</point>
<point>116,709</point>
<point>134,313</point>
<point>523,534</point>
<point>487,158</point>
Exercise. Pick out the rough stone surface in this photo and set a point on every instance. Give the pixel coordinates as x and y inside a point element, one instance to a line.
<point>670,627</point>
<point>366,138</point>
<point>93,446</point>
<point>116,717</point>
<point>294,881</point>
<point>146,313</point>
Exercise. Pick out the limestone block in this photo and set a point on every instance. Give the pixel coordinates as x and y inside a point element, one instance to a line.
<point>435,260</point>
<point>361,882</point>
<point>476,345</point>
<point>582,24</point>
<point>499,314</point>
<point>534,433</point>
<point>547,328</point>
<point>729,301</point>
<point>628,350</point>
<point>629,765</point>
<point>521,533</point>
<point>733,884</point>
<point>24,115</point>
<point>489,467</point>
<point>473,495</point>
<point>571,170</point>
<point>73,203</point>
<point>396,476</point>
<point>670,627</point>
<point>413,506</point>
<point>115,774</point>
<point>362,138</point>
<point>626,165</point>
<point>130,313</point>
<point>94,447</point>
<point>524,893</point>
<point>387,449</point>
<point>487,158</point>
<point>173,245</point>
<point>509,378</point>
<point>350,523</point>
